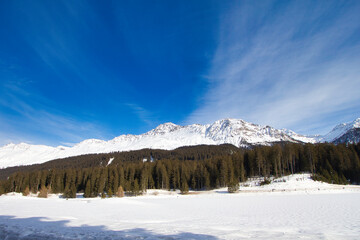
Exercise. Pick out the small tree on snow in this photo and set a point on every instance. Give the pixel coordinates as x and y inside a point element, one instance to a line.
<point>120,192</point>
<point>43,192</point>
<point>103,195</point>
<point>26,192</point>
<point>233,186</point>
<point>109,193</point>
<point>184,188</point>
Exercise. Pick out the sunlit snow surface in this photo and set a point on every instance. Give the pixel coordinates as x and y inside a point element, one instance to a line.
<point>314,211</point>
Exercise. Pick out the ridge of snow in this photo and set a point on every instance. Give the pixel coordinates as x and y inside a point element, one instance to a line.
<point>301,138</point>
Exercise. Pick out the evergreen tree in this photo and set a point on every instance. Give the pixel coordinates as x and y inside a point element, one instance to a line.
<point>70,191</point>
<point>88,192</point>
<point>184,187</point>
<point>2,190</point>
<point>109,193</point>
<point>103,195</point>
<point>233,186</point>
<point>136,188</point>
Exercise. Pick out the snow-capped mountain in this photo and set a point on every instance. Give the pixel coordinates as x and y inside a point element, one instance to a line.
<point>166,136</point>
<point>343,133</point>
<point>169,136</point>
<point>351,136</point>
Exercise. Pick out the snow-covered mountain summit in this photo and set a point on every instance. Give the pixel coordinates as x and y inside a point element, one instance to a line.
<point>163,129</point>
<point>166,136</point>
<point>241,133</point>
<point>348,130</point>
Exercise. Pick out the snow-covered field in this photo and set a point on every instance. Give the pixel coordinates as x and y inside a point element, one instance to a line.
<point>296,209</point>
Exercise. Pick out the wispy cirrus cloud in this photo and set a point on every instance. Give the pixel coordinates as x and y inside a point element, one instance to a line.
<point>53,60</point>
<point>34,121</point>
<point>54,32</point>
<point>297,67</point>
<point>143,114</point>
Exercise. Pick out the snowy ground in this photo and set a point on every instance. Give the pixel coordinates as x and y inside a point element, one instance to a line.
<point>296,209</point>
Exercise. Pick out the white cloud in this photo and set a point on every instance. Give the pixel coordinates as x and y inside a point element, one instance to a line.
<point>143,114</point>
<point>293,70</point>
<point>34,121</point>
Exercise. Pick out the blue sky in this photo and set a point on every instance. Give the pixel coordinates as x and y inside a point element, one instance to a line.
<point>72,70</point>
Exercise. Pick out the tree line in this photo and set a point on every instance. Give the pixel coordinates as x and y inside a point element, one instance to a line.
<point>197,168</point>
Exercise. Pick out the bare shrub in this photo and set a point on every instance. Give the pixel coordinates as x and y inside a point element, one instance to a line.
<point>43,192</point>
<point>120,192</point>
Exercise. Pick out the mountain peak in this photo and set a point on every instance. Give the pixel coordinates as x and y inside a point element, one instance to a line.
<point>356,123</point>
<point>90,141</point>
<point>230,121</point>
<point>340,130</point>
<point>164,128</point>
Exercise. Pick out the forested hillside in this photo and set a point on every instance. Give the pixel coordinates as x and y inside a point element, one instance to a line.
<point>198,168</point>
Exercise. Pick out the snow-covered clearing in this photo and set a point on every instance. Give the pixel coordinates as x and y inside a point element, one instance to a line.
<point>276,211</point>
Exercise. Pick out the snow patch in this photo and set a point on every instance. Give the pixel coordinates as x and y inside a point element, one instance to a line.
<point>110,161</point>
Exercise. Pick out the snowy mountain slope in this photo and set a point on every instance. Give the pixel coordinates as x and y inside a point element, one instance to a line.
<point>300,138</point>
<point>351,136</point>
<point>341,130</point>
<point>166,136</point>
<point>169,136</point>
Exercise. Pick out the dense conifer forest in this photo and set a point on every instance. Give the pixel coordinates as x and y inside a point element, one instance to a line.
<point>197,168</point>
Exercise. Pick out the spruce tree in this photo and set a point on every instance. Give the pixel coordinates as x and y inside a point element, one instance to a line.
<point>184,189</point>
<point>109,193</point>
<point>88,192</point>
<point>70,191</point>
<point>136,188</point>
<point>233,186</point>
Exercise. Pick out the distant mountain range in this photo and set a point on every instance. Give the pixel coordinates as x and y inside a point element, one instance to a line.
<point>169,136</point>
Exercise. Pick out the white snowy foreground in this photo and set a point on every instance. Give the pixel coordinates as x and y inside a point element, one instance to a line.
<point>296,209</point>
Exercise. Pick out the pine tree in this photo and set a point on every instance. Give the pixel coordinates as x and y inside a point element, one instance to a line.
<point>70,191</point>
<point>233,186</point>
<point>2,190</point>
<point>109,193</point>
<point>184,187</point>
<point>136,188</point>
<point>88,192</point>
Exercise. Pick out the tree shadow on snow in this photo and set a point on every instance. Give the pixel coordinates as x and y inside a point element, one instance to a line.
<point>41,228</point>
<point>222,191</point>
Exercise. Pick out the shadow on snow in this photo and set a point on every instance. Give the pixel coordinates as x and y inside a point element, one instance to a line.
<point>41,228</point>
